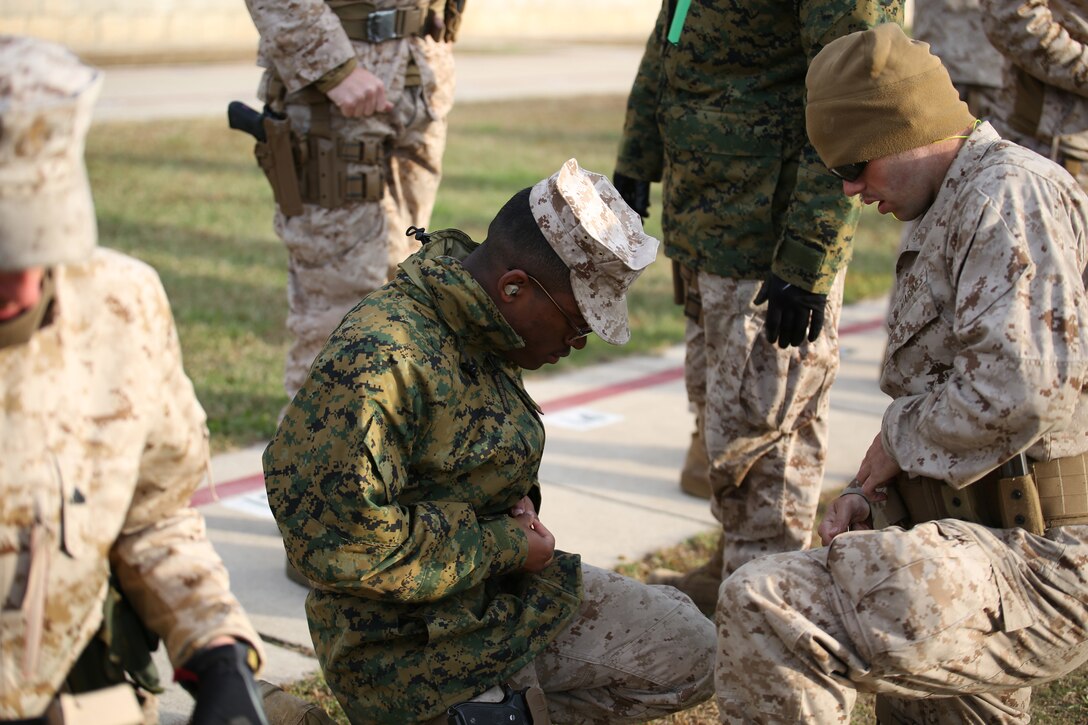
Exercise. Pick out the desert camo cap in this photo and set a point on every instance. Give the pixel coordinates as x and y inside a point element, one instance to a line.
<point>46,98</point>
<point>600,239</point>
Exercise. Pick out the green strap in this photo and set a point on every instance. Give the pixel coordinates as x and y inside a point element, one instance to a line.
<point>678,21</point>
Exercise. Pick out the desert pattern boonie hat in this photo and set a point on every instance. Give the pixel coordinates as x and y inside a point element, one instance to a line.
<point>46,97</point>
<point>600,239</point>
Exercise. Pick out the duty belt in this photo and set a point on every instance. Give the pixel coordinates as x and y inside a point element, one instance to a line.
<point>362,22</point>
<point>1051,493</point>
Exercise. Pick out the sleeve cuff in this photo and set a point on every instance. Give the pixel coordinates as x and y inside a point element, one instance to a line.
<point>333,78</point>
<point>504,544</point>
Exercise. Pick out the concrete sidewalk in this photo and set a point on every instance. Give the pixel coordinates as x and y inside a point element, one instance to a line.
<point>534,70</point>
<point>617,434</point>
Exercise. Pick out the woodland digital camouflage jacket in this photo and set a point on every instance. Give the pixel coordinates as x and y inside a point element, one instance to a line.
<point>391,477</point>
<point>720,119</point>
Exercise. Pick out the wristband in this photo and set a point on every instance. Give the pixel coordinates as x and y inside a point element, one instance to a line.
<point>854,488</point>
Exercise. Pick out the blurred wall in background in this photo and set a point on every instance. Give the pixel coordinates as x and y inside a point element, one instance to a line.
<point>144,31</point>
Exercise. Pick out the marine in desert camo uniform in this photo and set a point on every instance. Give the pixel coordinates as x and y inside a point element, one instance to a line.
<point>366,87</point>
<point>976,589</point>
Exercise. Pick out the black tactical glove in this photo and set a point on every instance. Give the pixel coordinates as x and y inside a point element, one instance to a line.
<point>635,192</point>
<point>791,312</point>
<point>221,681</point>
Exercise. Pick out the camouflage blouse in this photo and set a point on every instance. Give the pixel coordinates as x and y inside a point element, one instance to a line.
<point>104,444</point>
<point>987,348</point>
<point>719,118</point>
<point>391,477</point>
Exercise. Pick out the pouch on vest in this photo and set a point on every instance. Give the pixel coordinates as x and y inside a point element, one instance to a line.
<point>325,177</point>
<point>1019,503</point>
<point>1028,93</point>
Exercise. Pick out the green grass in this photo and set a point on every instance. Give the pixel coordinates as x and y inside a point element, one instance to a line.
<point>187,197</point>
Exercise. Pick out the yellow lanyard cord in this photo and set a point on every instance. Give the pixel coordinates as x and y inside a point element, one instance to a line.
<point>975,125</point>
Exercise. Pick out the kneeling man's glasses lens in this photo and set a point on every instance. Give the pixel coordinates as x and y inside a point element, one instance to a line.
<point>849,172</point>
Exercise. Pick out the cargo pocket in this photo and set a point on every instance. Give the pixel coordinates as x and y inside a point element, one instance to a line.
<point>921,599</point>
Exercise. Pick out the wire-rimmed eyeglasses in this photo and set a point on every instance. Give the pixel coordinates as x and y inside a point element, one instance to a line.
<point>580,332</point>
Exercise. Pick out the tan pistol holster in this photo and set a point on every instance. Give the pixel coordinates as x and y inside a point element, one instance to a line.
<point>1041,496</point>
<point>277,159</point>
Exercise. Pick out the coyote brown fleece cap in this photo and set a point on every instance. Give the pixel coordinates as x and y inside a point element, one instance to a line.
<point>46,211</point>
<point>876,93</point>
<point>599,238</point>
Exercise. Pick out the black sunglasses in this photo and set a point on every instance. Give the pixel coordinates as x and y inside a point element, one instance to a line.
<point>849,172</point>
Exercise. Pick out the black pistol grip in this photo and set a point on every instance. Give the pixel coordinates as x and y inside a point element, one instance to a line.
<point>241,117</point>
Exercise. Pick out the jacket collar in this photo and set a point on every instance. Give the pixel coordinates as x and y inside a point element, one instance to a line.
<point>458,299</point>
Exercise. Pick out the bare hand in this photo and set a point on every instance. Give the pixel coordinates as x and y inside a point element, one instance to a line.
<point>846,513</point>
<point>876,471</point>
<point>852,512</point>
<point>541,543</point>
<point>524,506</point>
<point>360,94</point>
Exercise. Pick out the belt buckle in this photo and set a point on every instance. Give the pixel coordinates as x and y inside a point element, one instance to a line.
<point>381,25</point>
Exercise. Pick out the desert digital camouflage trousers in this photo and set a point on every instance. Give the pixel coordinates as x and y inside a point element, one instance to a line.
<point>338,256</point>
<point>766,418</point>
<point>948,622</point>
<point>634,652</point>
